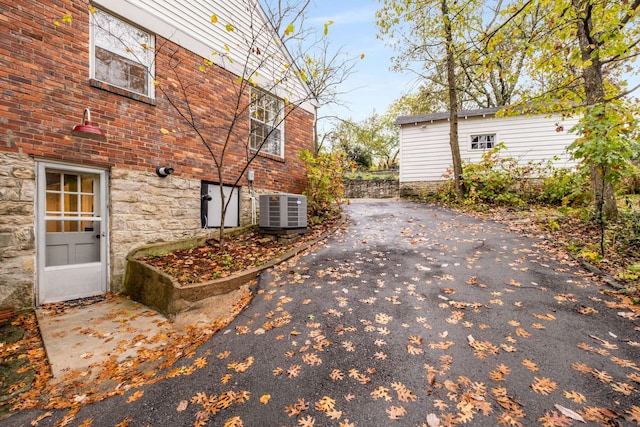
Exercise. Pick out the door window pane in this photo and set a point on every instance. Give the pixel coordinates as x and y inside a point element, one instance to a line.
<point>86,204</point>
<point>87,184</point>
<point>53,203</point>
<point>70,182</point>
<point>71,204</point>
<point>54,226</point>
<point>53,181</point>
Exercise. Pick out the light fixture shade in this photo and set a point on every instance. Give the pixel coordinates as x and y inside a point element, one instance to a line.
<point>87,129</point>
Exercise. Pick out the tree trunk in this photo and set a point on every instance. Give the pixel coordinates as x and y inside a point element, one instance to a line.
<point>223,214</point>
<point>602,191</point>
<point>453,103</point>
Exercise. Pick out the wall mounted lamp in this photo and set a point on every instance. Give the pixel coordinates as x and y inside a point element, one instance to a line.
<point>87,129</point>
<point>163,171</point>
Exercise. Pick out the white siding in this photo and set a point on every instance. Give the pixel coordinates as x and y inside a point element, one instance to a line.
<point>425,154</point>
<point>188,24</point>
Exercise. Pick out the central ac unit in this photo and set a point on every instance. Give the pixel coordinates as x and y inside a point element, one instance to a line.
<point>283,211</point>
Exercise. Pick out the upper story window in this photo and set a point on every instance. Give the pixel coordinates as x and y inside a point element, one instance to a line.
<point>122,54</point>
<point>482,142</point>
<point>267,123</point>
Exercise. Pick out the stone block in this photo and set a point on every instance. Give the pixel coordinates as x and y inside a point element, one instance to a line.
<point>16,208</point>
<point>24,173</point>
<point>29,264</point>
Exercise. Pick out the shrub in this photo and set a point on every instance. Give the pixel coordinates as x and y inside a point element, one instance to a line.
<point>325,186</point>
<point>566,187</point>
<point>501,180</point>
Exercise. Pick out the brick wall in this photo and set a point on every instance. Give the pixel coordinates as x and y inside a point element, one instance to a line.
<point>45,86</point>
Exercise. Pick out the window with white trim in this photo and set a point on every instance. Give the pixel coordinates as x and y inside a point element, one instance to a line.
<point>122,54</point>
<point>267,123</point>
<point>483,142</point>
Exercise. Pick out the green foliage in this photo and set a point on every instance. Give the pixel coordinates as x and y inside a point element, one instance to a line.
<point>501,180</point>
<point>566,188</point>
<point>325,187</point>
<point>606,139</point>
<point>625,233</point>
<point>370,142</point>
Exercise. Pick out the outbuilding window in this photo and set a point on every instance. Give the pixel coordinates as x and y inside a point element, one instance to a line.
<point>121,54</point>
<point>483,142</point>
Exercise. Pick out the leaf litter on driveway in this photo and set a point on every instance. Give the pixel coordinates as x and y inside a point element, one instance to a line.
<point>413,315</point>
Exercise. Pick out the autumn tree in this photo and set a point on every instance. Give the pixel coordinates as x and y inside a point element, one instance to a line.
<point>425,100</point>
<point>344,139</point>
<point>370,142</point>
<point>576,65</point>
<point>270,85</point>
<point>423,33</point>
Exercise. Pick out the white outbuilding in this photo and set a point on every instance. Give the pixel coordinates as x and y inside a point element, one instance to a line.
<point>425,153</point>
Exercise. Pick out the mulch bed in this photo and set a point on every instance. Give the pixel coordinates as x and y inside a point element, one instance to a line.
<point>238,253</point>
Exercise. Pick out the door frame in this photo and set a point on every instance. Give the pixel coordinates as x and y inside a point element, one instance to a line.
<point>40,200</point>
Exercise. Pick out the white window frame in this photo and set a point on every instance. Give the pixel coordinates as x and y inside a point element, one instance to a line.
<point>484,141</point>
<point>132,51</point>
<point>267,114</point>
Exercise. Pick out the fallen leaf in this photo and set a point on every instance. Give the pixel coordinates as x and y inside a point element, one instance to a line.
<point>135,396</point>
<point>433,420</point>
<point>396,412</point>
<point>264,399</point>
<point>543,385</point>
<point>182,405</point>
<point>575,396</point>
<point>307,421</point>
<point>569,413</point>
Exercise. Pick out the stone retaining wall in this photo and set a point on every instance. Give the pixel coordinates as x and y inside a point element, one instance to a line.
<point>17,238</point>
<point>374,188</point>
<point>418,188</point>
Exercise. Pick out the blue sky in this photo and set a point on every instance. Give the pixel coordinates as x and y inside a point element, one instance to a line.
<point>372,86</point>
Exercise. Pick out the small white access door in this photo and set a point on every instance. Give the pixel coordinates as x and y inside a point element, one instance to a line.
<point>72,232</point>
<point>214,207</point>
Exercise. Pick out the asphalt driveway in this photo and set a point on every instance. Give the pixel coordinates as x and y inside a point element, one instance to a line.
<point>412,315</point>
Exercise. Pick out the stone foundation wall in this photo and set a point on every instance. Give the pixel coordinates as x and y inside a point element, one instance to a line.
<point>418,188</point>
<point>145,209</point>
<point>373,188</point>
<point>17,237</point>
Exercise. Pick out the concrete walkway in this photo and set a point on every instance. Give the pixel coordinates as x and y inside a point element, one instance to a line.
<point>80,339</point>
<point>415,315</point>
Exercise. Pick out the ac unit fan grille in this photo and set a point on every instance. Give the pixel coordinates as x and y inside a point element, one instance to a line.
<point>274,212</point>
<point>293,210</point>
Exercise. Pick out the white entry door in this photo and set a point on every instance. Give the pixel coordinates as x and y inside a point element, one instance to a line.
<point>72,232</point>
